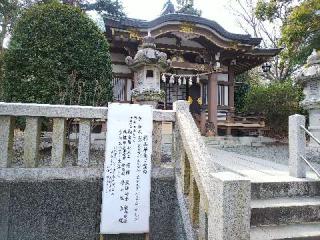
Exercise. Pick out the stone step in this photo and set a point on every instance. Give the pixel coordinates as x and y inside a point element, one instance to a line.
<point>212,141</point>
<point>266,190</point>
<point>306,231</point>
<point>285,211</point>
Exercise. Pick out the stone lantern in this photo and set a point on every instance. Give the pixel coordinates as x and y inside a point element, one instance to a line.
<point>147,66</point>
<point>309,78</point>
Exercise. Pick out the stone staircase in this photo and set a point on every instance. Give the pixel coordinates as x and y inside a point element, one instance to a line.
<point>285,210</point>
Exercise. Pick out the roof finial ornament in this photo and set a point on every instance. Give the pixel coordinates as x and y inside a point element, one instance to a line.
<point>184,3</point>
<point>187,7</point>
<point>168,8</point>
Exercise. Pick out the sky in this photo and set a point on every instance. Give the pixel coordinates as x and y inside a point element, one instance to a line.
<point>216,10</point>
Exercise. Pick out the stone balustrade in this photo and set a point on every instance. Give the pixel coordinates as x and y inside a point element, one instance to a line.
<point>59,115</point>
<point>218,201</point>
<point>298,161</point>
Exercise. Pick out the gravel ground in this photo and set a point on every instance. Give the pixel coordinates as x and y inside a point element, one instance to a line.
<point>278,153</point>
<point>96,154</point>
<point>97,151</point>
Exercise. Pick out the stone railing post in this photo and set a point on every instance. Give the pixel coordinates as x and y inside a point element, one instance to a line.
<point>6,140</point>
<point>297,146</point>
<point>194,201</point>
<point>58,142</point>
<point>203,220</point>
<point>32,142</point>
<point>156,143</point>
<point>229,207</point>
<point>84,143</point>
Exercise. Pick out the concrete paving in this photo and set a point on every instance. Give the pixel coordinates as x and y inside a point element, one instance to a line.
<point>256,169</point>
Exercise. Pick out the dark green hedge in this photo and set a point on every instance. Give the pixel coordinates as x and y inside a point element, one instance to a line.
<point>1,76</point>
<point>57,55</point>
<point>276,102</point>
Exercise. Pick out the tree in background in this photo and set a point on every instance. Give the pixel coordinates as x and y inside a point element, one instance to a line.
<point>276,101</point>
<point>110,8</point>
<point>57,55</point>
<point>244,82</point>
<point>264,19</point>
<point>10,10</point>
<point>293,25</point>
<point>1,76</point>
<point>301,31</point>
<point>8,14</point>
<point>300,26</point>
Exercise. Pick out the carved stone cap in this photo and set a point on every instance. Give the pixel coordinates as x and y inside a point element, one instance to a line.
<point>311,71</point>
<point>148,56</point>
<point>149,42</point>
<point>314,58</point>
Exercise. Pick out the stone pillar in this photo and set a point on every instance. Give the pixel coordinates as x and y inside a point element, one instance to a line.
<point>32,142</point>
<point>7,124</point>
<point>156,143</point>
<point>84,143</point>
<point>229,207</point>
<point>58,142</point>
<point>297,146</point>
<point>213,100</point>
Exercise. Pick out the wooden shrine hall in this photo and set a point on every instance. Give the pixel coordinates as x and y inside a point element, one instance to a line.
<point>205,59</point>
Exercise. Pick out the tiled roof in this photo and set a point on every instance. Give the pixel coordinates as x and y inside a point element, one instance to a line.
<point>142,24</point>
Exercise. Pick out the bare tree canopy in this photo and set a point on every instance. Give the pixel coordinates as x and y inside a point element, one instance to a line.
<point>265,21</point>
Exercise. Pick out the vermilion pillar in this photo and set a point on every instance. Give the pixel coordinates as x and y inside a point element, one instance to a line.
<point>231,88</point>
<point>213,100</point>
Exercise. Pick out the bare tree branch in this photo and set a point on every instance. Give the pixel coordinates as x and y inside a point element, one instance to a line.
<point>245,11</point>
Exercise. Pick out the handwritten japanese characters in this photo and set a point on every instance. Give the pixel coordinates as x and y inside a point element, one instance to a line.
<point>127,170</point>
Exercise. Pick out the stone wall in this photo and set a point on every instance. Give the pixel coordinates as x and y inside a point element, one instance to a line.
<point>70,209</point>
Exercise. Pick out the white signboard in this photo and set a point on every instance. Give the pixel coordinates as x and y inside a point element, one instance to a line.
<point>127,170</point>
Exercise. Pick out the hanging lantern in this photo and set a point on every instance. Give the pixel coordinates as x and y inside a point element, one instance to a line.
<point>184,81</point>
<point>198,79</point>
<point>218,65</point>
<point>190,81</point>
<point>179,81</point>
<point>164,79</point>
<point>172,79</point>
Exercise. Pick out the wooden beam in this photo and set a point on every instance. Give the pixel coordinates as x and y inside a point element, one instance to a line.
<point>191,66</point>
<point>170,47</point>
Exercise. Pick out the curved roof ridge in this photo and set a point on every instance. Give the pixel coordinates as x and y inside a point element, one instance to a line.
<point>145,24</point>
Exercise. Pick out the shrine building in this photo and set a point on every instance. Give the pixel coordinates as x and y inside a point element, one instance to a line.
<point>205,59</point>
